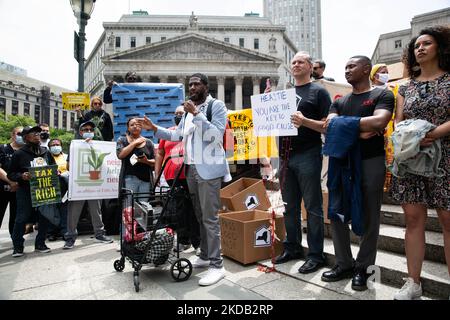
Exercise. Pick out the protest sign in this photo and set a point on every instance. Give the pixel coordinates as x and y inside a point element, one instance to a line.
<point>72,100</point>
<point>246,145</point>
<point>272,113</point>
<point>335,89</point>
<point>157,101</point>
<point>44,185</point>
<point>94,170</point>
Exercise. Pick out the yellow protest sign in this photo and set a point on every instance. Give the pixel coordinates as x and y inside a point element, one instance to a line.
<point>246,145</point>
<point>71,100</point>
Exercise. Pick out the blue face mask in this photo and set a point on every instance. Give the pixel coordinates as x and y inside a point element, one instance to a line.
<point>88,135</point>
<point>19,140</point>
<point>55,150</point>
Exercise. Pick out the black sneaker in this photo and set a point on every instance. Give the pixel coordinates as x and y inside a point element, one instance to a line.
<point>42,248</point>
<point>103,239</point>
<point>18,252</point>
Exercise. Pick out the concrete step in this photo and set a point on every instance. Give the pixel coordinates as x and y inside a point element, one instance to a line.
<point>392,238</point>
<point>435,277</point>
<point>394,215</point>
<point>312,283</point>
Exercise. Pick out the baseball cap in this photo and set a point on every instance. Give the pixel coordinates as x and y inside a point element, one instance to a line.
<point>29,129</point>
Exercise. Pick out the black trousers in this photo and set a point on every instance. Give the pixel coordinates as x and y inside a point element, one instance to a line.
<point>6,198</point>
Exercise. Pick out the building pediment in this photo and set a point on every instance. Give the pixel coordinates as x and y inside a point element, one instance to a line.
<point>191,47</point>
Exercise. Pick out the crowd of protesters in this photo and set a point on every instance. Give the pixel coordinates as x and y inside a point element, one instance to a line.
<point>353,127</point>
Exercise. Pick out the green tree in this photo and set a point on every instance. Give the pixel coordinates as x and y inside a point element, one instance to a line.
<point>7,124</point>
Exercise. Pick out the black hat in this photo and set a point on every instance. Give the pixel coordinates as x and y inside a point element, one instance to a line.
<point>28,129</point>
<point>89,122</point>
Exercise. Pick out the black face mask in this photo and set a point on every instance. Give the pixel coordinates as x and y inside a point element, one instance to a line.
<point>177,119</point>
<point>44,135</point>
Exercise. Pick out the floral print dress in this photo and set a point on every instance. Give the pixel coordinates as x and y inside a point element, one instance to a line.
<point>430,101</point>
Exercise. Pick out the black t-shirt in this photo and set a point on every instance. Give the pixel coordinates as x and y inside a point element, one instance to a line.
<point>364,105</point>
<point>314,103</point>
<point>140,170</point>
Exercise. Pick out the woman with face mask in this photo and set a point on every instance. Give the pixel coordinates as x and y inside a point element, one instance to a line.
<point>55,147</point>
<point>8,187</point>
<point>379,76</point>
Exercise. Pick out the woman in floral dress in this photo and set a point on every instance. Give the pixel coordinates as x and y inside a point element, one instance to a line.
<point>426,96</point>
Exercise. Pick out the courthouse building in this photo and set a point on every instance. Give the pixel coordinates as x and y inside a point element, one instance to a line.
<point>237,53</point>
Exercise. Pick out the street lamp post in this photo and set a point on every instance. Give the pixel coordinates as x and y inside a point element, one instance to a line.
<point>82,10</point>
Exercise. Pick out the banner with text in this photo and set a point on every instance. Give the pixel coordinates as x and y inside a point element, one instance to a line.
<point>246,145</point>
<point>272,113</point>
<point>94,170</point>
<point>71,100</point>
<point>44,185</point>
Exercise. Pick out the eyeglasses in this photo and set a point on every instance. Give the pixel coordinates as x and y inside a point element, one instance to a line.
<point>315,68</point>
<point>96,104</point>
<point>34,133</point>
<point>87,130</point>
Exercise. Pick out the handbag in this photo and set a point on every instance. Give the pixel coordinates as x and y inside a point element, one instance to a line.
<point>51,213</point>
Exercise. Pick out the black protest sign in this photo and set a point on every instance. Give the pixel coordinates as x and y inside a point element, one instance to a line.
<point>44,185</point>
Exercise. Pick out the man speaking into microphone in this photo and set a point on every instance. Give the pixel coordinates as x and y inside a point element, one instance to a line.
<point>206,167</point>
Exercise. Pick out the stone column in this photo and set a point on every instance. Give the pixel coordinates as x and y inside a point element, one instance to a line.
<point>182,80</point>
<point>163,79</point>
<point>238,92</point>
<point>221,88</point>
<point>256,83</point>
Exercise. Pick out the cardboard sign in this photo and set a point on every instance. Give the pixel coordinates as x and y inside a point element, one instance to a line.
<point>262,237</point>
<point>44,185</point>
<point>247,146</point>
<point>94,170</point>
<point>336,90</point>
<point>251,202</point>
<point>72,100</point>
<point>272,113</point>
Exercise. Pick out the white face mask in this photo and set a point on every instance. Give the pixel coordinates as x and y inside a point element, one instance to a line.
<point>56,150</point>
<point>88,135</point>
<point>383,77</point>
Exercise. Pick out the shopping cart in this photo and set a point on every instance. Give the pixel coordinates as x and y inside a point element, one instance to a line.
<point>147,236</point>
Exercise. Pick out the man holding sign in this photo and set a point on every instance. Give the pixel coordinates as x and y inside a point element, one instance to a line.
<point>30,155</point>
<point>302,166</point>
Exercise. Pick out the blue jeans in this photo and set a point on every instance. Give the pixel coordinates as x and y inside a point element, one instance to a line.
<point>302,181</point>
<point>137,185</point>
<point>23,215</point>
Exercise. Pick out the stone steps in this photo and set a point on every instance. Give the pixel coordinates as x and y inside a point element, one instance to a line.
<point>393,215</point>
<point>393,268</point>
<point>392,238</point>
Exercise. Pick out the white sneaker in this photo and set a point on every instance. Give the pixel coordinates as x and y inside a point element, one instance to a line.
<point>198,262</point>
<point>409,291</point>
<point>214,275</point>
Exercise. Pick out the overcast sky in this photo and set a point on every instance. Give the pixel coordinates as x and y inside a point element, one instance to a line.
<point>37,35</point>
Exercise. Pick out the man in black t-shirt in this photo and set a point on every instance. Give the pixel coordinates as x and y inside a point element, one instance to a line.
<point>375,107</point>
<point>300,173</point>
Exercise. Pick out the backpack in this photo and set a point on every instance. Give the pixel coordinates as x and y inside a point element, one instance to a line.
<point>228,136</point>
